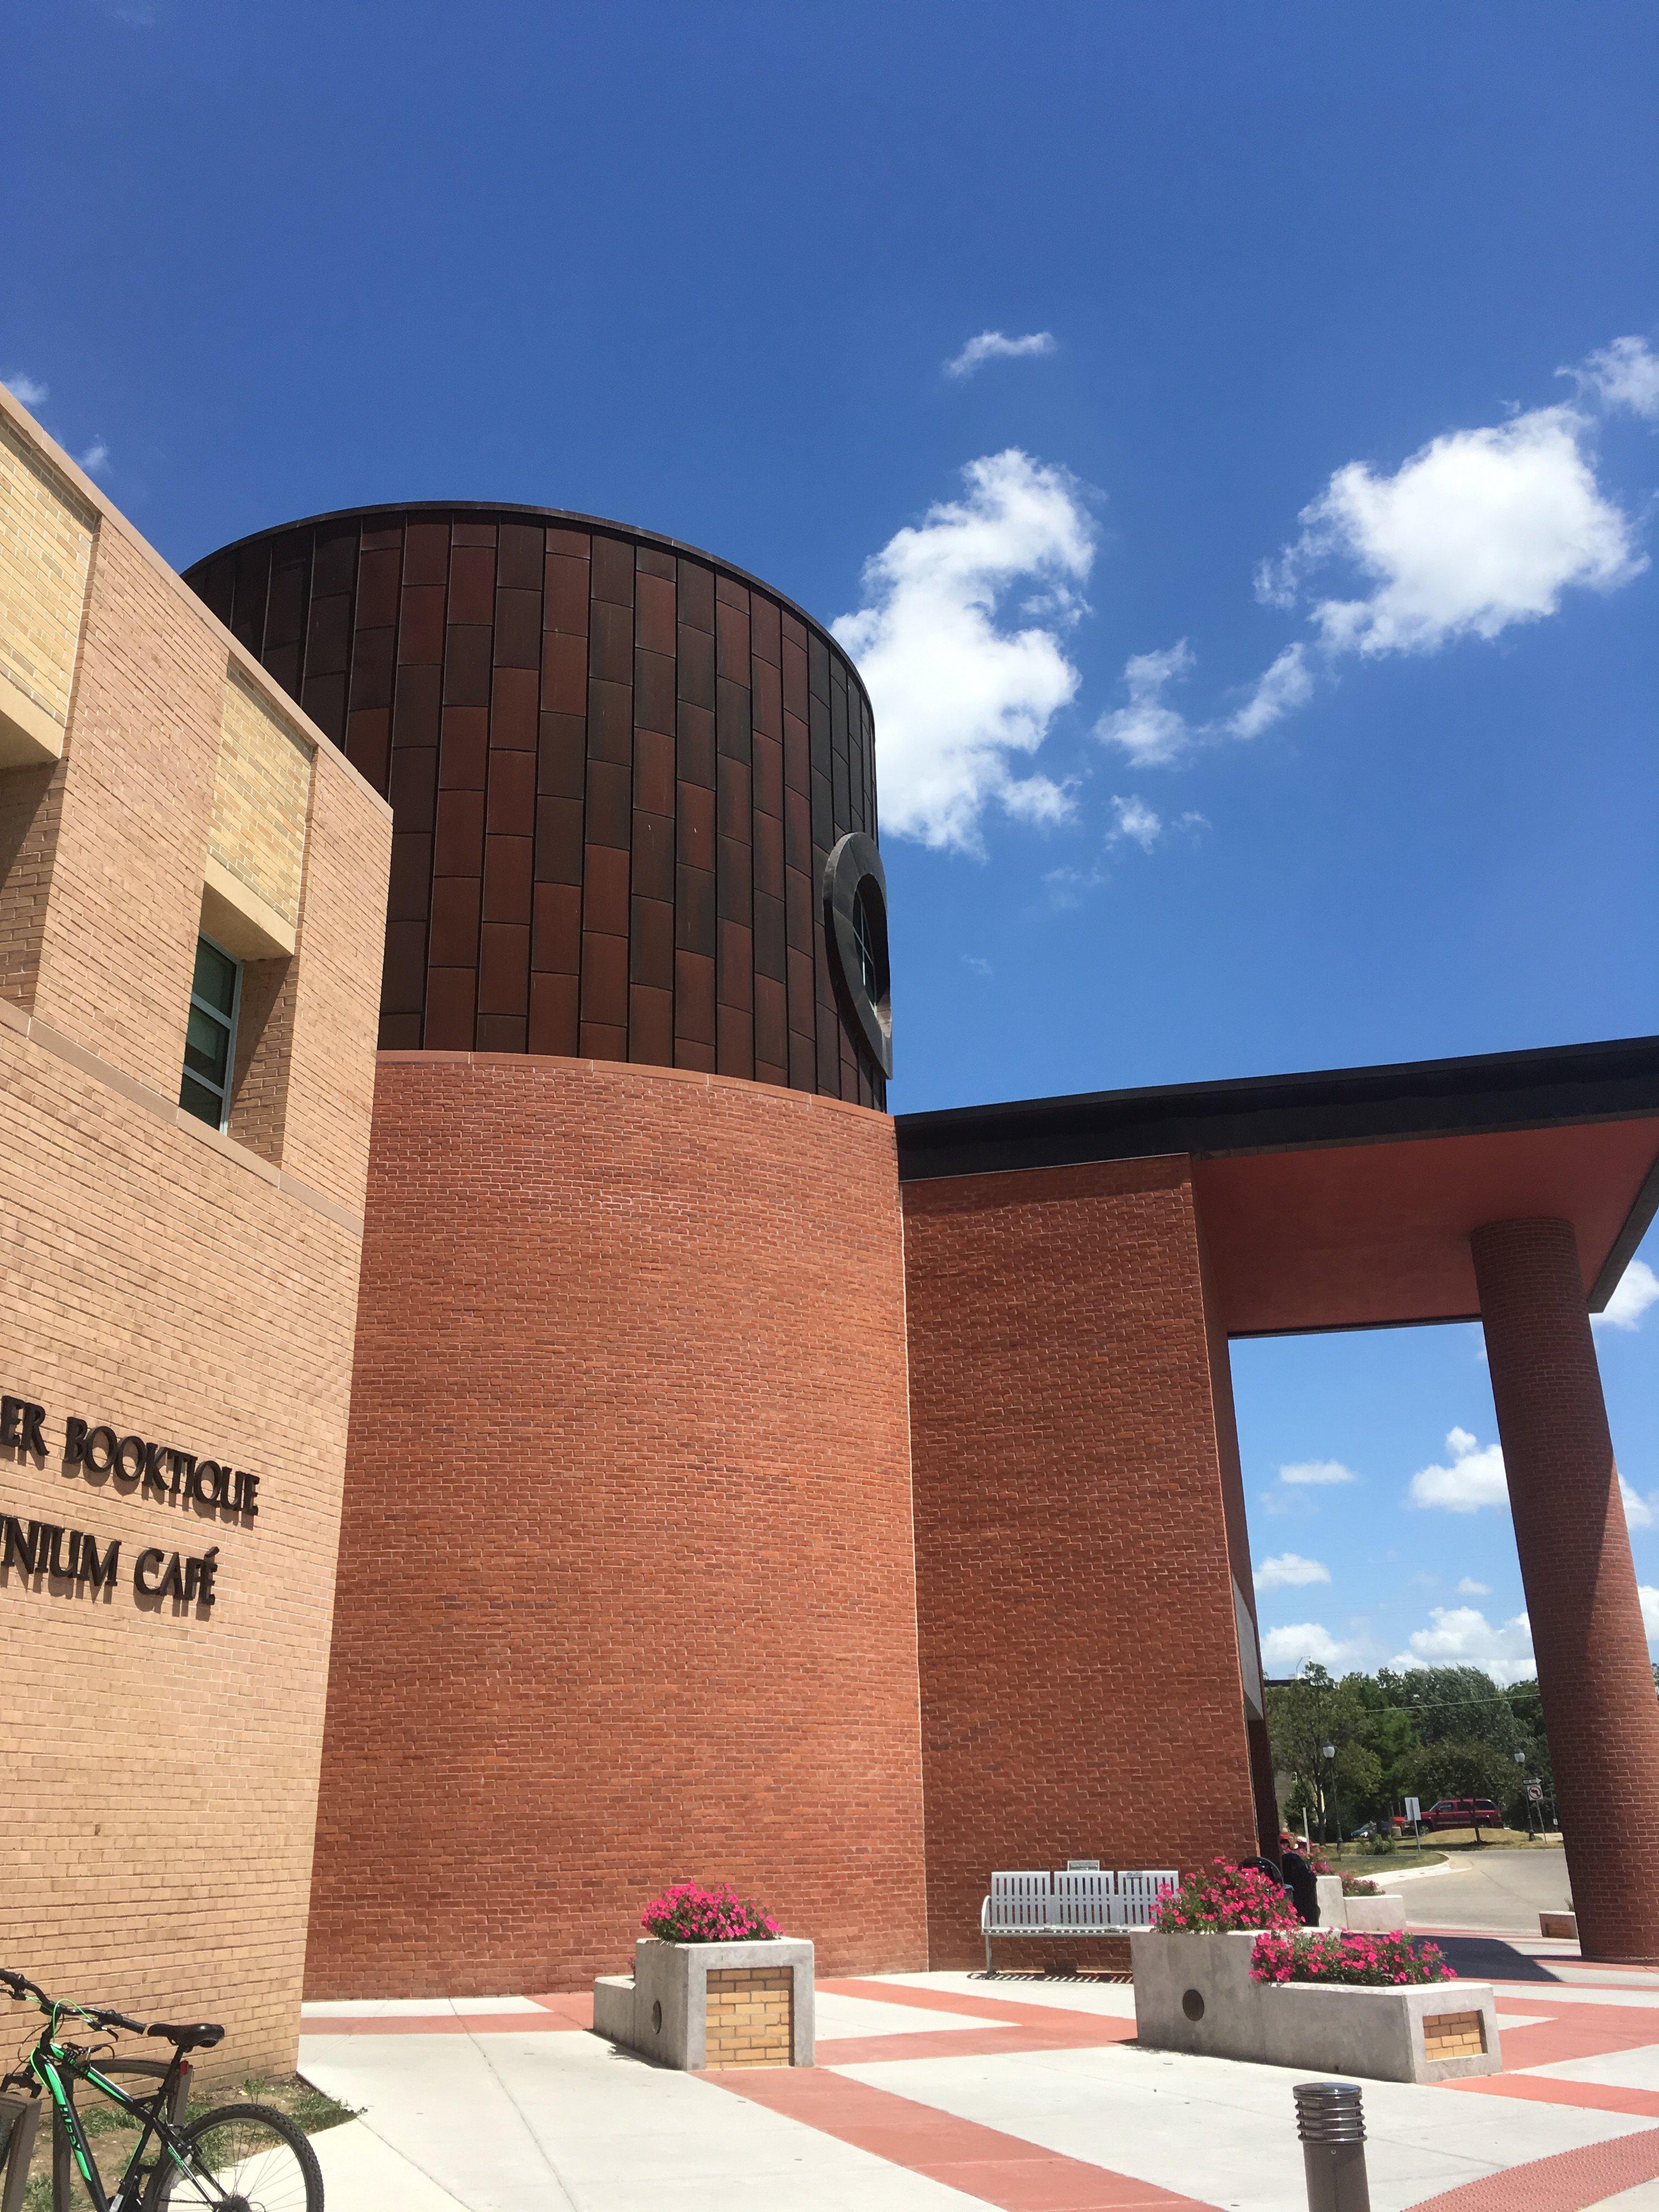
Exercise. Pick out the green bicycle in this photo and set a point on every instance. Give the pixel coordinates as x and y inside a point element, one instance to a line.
<point>239,2158</point>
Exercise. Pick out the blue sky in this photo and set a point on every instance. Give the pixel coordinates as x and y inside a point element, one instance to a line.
<point>1264,655</point>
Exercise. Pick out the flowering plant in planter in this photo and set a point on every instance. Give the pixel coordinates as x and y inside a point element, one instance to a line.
<point>1365,1961</point>
<point>1225,1898</point>
<point>686,1912</point>
<point>1355,1885</point>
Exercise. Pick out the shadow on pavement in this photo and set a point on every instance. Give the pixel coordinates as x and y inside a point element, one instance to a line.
<point>1490,1959</point>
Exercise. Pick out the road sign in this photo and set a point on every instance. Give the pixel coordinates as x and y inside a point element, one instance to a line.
<point>1413,1810</point>
<point>1535,1793</point>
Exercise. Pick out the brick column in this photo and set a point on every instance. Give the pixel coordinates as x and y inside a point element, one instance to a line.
<point>1594,1673</point>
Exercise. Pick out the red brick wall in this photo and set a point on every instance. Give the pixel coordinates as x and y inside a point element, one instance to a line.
<point>1587,1635</point>
<point>625,1586</point>
<point>1080,1681</point>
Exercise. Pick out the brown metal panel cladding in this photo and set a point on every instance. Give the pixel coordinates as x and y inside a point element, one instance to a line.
<point>455,916</point>
<point>467,664</point>
<point>513,702</point>
<point>605,891</point>
<point>418,710</point>
<point>600,749</point>
<point>421,627</point>
<point>399,1033</point>
<point>654,622</point>
<point>451,1009</point>
<point>653,692</point>
<point>508,875</point>
<point>464,757</point>
<point>694,1009</point>
<point>555,1022</point>
<point>561,756</point>
<point>694,827</point>
<point>613,570</point>
<point>566,595</point>
<point>373,654</point>
<point>458,846</point>
<point>654,856</point>
<point>519,549</point>
<point>654,772</point>
<point>426,553</point>
<point>368,744</point>
<point>651,1025</point>
<point>412,786</point>
<point>697,595</point>
<point>610,643</point>
<point>378,577</point>
<point>771,1026</point>
<point>555,935</point>
<point>651,944</point>
<point>504,968</point>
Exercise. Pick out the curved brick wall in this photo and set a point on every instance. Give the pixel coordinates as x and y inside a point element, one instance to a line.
<point>626,1590</point>
<point>617,766</point>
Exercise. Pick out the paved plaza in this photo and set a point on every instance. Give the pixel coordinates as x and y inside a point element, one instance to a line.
<point>935,2090</point>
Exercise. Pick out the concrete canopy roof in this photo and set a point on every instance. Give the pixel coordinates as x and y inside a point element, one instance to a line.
<point>1345,1198</point>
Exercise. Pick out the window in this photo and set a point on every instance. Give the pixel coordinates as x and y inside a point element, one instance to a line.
<point>210,1038</point>
<point>868,938</point>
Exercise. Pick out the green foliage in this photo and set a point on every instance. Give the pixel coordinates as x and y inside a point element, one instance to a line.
<point>1427,1732</point>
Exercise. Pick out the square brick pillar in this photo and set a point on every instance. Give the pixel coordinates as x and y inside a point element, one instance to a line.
<point>1594,1673</point>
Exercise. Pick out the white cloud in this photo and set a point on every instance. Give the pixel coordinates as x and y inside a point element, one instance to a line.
<point>1638,1287</point>
<point>1289,1571</point>
<point>28,389</point>
<point>1147,729</point>
<point>1623,374</point>
<point>1478,529</point>
<point>94,457</point>
<point>1284,1650</point>
<point>1136,820</point>
<point>1475,1479</point>
<point>1649,1598</point>
<point>958,697</point>
<point>1461,1636</point>
<point>991,345</point>
<point>1317,1471</point>
<point>1469,1588</point>
<point>1638,1511</point>
<point>973,961</point>
<point>1288,683</point>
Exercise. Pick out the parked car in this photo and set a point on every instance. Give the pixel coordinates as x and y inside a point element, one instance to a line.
<point>1462,1812</point>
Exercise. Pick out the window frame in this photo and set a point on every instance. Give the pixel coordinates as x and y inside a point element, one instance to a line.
<point>230,1022</point>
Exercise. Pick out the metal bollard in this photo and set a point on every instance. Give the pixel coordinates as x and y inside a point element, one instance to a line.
<point>1331,2122</point>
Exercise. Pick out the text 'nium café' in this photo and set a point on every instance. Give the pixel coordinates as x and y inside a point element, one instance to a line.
<point>497,1415</point>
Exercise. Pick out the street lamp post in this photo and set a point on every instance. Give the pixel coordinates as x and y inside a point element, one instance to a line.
<point>1520,1761</point>
<point>1329,1750</point>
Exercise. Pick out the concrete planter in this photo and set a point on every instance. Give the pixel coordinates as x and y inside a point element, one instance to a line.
<point>1376,1916</point>
<point>698,2005</point>
<point>1193,1993</point>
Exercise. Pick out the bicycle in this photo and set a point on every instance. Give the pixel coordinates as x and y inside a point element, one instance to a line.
<point>237,2158</point>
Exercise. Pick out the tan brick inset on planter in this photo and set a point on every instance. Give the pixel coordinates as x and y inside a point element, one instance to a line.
<point>260,794</point>
<point>749,2017</point>
<point>46,554</point>
<point>1454,2035</point>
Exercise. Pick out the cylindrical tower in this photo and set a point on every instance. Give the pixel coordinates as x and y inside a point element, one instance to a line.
<point>618,769</point>
<point>626,1588</point>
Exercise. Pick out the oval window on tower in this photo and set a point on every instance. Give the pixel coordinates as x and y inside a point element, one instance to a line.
<point>856,927</point>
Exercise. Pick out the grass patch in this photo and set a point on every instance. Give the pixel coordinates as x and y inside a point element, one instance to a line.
<point>104,2123</point>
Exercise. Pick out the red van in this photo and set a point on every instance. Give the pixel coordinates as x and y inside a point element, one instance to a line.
<point>1462,1812</point>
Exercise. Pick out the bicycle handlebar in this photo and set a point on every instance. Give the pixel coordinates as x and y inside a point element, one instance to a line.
<point>94,2015</point>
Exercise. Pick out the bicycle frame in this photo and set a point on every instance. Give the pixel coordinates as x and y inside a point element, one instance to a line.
<point>55,2066</point>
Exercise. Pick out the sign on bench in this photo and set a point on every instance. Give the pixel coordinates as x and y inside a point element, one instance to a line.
<point>1093,1902</point>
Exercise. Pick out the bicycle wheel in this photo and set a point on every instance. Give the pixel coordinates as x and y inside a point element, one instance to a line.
<point>241,2158</point>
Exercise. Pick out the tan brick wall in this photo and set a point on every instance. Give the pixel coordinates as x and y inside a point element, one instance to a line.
<point>260,792</point>
<point>45,552</point>
<point>749,2018</point>
<point>1454,2035</point>
<point>162,1759</point>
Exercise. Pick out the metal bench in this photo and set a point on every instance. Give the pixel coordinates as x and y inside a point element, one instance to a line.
<point>1078,1901</point>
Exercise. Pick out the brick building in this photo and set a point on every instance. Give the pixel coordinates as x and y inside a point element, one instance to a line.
<point>184,860</point>
<point>736,1482</point>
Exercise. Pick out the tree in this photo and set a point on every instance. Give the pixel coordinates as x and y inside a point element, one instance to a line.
<point>1451,1768</point>
<point>1457,1703</point>
<point>1303,1717</point>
